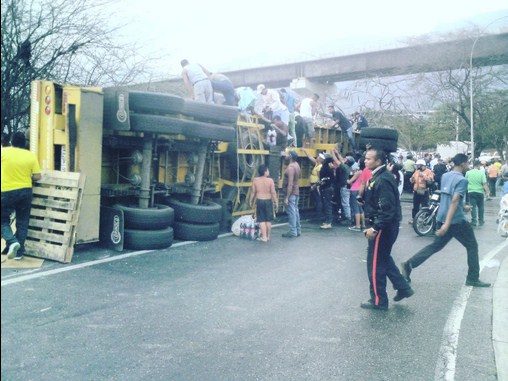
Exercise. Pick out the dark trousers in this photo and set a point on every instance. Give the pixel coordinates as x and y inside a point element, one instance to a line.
<point>380,265</point>
<point>477,202</point>
<point>407,183</point>
<point>492,186</point>
<point>316,198</point>
<point>463,232</point>
<point>419,200</point>
<point>19,201</point>
<point>326,196</point>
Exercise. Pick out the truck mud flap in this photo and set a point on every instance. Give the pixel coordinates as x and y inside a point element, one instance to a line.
<point>111,228</point>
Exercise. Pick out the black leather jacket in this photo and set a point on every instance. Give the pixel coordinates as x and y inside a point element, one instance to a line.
<point>382,204</point>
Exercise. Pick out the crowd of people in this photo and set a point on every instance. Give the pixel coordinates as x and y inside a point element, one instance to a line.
<point>290,121</point>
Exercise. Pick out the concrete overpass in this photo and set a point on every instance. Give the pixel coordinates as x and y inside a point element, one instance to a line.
<point>489,50</point>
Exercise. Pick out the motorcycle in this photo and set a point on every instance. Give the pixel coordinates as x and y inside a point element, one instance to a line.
<point>425,220</point>
<point>502,217</point>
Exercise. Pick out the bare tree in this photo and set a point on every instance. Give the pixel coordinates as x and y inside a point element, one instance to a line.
<point>64,41</point>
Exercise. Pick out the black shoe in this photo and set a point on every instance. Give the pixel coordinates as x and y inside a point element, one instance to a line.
<point>371,306</point>
<point>405,270</point>
<point>477,283</point>
<point>401,294</point>
<point>289,235</point>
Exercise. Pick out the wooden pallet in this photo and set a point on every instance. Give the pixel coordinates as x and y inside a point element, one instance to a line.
<point>54,215</point>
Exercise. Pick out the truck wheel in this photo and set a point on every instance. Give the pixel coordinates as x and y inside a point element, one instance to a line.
<point>380,133</point>
<point>148,239</point>
<point>155,103</point>
<point>384,144</point>
<point>157,124</point>
<point>208,112</point>
<point>193,129</point>
<point>196,232</point>
<point>206,213</point>
<point>159,217</point>
<point>247,163</point>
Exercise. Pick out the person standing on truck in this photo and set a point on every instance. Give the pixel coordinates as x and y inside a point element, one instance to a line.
<point>292,194</point>
<point>344,124</point>
<point>271,104</point>
<point>289,101</point>
<point>308,111</point>
<point>223,85</point>
<point>19,168</point>
<point>197,82</point>
<point>361,121</point>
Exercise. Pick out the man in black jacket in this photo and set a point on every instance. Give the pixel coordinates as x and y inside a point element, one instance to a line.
<point>382,211</point>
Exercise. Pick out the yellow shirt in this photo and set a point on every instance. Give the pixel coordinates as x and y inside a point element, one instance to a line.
<point>314,176</point>
<point>18,166</point>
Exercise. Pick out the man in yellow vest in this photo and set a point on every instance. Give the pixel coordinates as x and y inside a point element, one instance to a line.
<point>19,169</point>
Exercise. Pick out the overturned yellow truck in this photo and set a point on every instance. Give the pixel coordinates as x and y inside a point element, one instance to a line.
<point>158,167</point>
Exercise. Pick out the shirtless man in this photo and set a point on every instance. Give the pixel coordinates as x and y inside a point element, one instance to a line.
<point>263,191</point>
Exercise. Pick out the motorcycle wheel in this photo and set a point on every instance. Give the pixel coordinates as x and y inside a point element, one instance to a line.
<point>424,222</point>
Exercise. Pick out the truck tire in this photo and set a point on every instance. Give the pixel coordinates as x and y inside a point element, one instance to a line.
<point>157,124</point>
<point>190,128</point>
<point>159,217</point>
<point>155,103</point>
<point>208,112</point>
<point>380,133</point>
<point>206,213</point>
<point>384,144</point>
<point>196,232</point>
<point>246,163</point>
<point>193,129</point>
<point>148,239</point>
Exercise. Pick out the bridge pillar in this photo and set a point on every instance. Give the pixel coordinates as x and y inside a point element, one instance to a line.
<point>306,87</point>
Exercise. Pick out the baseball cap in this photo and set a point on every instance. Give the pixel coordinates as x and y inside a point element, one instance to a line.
<point>420,162</point>
<point>261,87</point>
<point>322,156</point>
<point>293,154</point>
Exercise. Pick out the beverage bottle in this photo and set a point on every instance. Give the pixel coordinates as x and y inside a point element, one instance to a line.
<point>242,230</point>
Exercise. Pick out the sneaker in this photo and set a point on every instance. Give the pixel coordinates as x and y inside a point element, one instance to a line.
<point>477,283</point>
<point>405,270</point>
<point>289,235</point>
<point>326,226</point>
<point>482,223</point>
<point>401,294</point>
<point>18,257</point>
<point>355,228</point>
<point>473,223</point>
<point>13,250</point>
<point>371,306</point>
<point>410,222</point>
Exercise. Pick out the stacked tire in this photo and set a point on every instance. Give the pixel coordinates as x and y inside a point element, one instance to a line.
<point>147,229</point>
<point>161,114</point>
<point>382,138</point>
<point>199,222</point>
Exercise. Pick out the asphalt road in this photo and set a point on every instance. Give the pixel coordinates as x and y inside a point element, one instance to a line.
<point>233,309</point>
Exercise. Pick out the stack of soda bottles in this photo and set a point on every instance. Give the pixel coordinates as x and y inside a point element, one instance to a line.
<point>249,230</point>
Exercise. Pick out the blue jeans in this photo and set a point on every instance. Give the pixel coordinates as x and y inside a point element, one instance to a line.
<point>351,138</point>
<point>293,215</point>
<point>345,195</point>
<point>227,89</point>
<point>478,211</point>
<point>19,201</point>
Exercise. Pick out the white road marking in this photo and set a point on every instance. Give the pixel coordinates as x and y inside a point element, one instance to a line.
<point>98,262</point>
<point>445,368</point>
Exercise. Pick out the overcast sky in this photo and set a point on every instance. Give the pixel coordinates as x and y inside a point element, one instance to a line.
<point>228,35</point>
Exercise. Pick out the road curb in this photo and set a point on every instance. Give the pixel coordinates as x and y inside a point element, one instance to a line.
<point>500,321</point>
